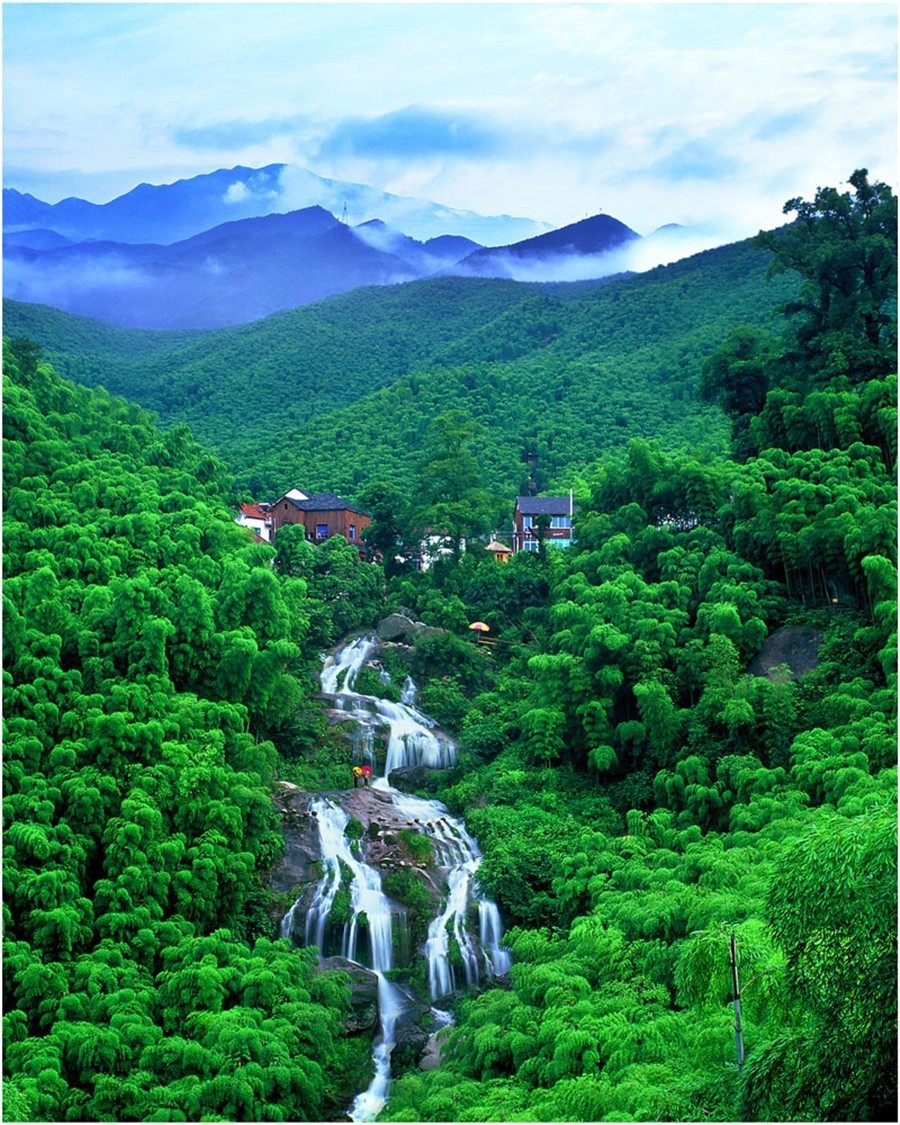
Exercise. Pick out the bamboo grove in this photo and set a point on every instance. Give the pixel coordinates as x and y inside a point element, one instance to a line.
<point>646,800</point>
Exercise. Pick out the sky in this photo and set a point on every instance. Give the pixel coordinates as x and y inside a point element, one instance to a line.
<point>708,114</point>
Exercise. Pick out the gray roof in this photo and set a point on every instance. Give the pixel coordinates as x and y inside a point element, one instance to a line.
<point>535,505</point>
<point>324,502</point>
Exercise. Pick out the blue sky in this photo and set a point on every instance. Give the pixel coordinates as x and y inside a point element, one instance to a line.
<point>707,113</point>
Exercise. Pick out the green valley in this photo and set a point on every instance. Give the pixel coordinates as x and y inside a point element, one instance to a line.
<point>677,748</point>
<point>341,393</point>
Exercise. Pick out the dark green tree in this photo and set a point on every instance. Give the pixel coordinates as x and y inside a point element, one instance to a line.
<point>452,503</point>
<point>844,247</point>
<point>833,908</point>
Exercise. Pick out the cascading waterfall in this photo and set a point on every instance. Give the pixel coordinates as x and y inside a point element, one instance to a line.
<point>341,668</point>
<point>369,900</point>
<point>457,853</point>
<point>413,741</point>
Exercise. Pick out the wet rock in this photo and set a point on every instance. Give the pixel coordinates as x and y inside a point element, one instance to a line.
<point>410,779</point>
<point>400,628</point>
<point>396,627</point>
<point>363,1015</point>
<point>411,1042</point>
<point>431,1056</point>
<point>299,864</point>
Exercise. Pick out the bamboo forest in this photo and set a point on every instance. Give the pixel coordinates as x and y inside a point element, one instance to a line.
<point>287,839</point>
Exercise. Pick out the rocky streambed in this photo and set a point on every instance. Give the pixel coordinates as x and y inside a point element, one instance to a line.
<point>385,883</point>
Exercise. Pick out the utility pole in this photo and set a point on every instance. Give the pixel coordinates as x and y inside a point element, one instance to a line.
<point>738,1029</point>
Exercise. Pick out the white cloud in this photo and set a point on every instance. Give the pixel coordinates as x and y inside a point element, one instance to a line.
<point>654,112</point>
<point>237,192</point>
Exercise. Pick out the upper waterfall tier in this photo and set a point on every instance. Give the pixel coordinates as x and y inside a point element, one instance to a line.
<point>415,739</point>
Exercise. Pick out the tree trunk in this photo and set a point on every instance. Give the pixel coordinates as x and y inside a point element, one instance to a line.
<point>738,1028</point>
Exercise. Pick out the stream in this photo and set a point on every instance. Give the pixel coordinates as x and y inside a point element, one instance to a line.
<point>414,740</point>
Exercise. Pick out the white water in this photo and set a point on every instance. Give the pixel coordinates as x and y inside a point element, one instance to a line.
<point>413,741</point>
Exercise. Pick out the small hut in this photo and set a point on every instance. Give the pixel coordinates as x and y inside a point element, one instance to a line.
<point>500,551</point>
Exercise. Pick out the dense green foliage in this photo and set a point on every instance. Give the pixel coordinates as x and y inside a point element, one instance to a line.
<point>341,394</point>
<point>641,795</point>
<point>148,645</point>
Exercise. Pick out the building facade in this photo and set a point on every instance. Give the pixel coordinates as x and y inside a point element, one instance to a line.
<point>560,511</point>
<point>258,517</point>
<point>323,514</point>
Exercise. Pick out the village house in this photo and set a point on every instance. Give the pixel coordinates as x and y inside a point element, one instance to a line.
<point>258,517</point>
<point>560,509</point>
<point>500,551</point>
<point>323,514</point>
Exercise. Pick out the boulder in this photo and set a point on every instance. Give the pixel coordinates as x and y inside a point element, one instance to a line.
<point>396,627</point>
<point>363,1014</point>
<point>409,1048</point>
<point>301,840</point>
<point>403,629</point>
<point>409,779</point>
<point>792,652</point>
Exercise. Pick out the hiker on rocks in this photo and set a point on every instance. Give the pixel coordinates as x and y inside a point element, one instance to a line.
<point>357,774</point>
<point>366,772</point>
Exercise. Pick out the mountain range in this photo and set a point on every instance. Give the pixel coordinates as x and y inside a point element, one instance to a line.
<point>167,213</point>
<point>133,263</point>
<point>337,394</point>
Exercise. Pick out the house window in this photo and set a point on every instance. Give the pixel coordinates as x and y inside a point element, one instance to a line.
<point>321,531</point>
<point>352,531</point>
<point>561,521</point>
<point>526,521</point>
<point>530,545</point>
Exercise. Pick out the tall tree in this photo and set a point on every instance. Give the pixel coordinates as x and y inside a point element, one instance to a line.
<point>452,502</point>
<point>844,246</point>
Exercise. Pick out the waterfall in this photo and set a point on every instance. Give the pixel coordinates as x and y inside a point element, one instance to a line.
<point>367,1105</point>
<point>491,932</point>
<point>457,854</point>
<point>332,822</point>
<point>414,740</point>
<point>341,668</point>
<point>369,900</point>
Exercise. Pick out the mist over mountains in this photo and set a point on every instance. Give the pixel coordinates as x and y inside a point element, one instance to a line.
<point>218,250</point>
<point>168,213</point>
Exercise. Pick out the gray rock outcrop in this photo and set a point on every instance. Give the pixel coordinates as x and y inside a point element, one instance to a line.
<point>363,1015</point>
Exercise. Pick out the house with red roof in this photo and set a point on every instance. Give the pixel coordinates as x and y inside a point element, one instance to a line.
<point>258,517</point>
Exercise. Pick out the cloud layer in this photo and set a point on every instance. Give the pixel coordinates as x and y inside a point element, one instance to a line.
<point>655,113</point>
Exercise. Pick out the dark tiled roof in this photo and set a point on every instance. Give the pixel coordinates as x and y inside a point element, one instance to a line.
<point>324,502</point>
<point>535,505</point>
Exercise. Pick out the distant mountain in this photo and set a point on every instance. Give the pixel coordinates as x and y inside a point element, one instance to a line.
<point>37,239</point>
<point>246,269</point>
<point>224,249</point>
<point>341,392</point>
<point>426,257</point>
<point>580,250</point>
<point>167,213</point>
<point>235,273</point>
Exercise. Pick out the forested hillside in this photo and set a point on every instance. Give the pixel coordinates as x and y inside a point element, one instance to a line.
<point>339,394</point>
<point>644,801</point>
<point>650,797</point>
<point>148,646</point>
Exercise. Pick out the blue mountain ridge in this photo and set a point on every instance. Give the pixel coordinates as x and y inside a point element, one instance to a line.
<point>168,213</point>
